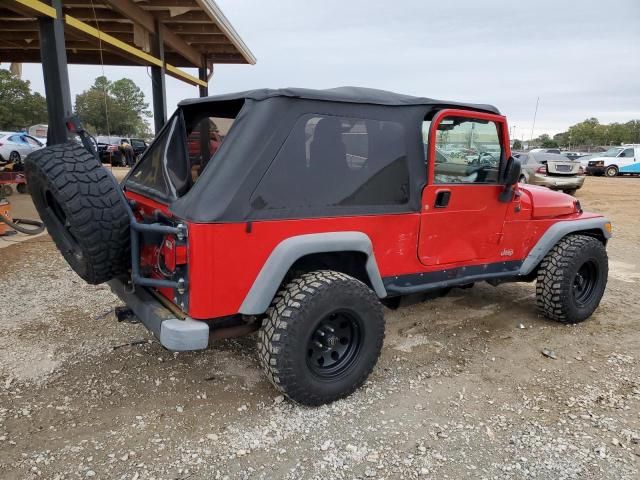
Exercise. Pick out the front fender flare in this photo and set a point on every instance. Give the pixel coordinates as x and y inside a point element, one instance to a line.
<point>288,251</point>
<point>556,232</point>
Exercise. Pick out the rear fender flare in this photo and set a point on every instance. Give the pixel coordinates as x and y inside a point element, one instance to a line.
<point>555,233</point>
<point>288,251</point>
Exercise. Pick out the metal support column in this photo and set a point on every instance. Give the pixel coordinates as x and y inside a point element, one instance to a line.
<point>202,75</point>
<point>205,127</point>
<point>157,81</point>
<point>56,75</point>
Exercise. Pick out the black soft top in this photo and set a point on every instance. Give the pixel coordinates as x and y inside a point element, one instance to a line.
<point>267,120</point>
<point>360,95</point>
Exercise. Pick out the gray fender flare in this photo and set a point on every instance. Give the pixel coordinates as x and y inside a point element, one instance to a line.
<point>555,233</point>
<point>288,251</point>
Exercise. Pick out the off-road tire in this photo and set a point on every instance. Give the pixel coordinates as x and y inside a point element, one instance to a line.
<point>83,211</point>
<point>611,171</point>
<point>22,188</point>
<point>295,313</point>
<point>555,285</point>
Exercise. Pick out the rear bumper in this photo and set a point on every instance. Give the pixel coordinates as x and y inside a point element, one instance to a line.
<point>173,333</point>
<point>558,182</point>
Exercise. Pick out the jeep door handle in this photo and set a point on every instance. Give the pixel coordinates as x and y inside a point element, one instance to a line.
<point>442,198</point>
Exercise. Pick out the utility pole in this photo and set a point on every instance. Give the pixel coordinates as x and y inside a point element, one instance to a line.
<point>535,114</point>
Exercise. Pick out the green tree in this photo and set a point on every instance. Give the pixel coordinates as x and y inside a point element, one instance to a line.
<point>546,141</point>
<point>116,107</point>
<point>592,133</point>
<point>19,107</point>
<point>517,145</point>
<point>561,139</point>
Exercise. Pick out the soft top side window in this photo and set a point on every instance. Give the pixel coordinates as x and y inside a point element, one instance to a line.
<point>207,126</point>
<point>332,161</point>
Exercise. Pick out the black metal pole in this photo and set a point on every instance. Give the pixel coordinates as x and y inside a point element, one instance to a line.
<point>158,86</point>
<point>205,133</point>
<point>202,75</point>
<point>56,74</point>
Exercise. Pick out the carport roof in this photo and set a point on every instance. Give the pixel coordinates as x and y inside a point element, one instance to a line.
<point>195,33</point>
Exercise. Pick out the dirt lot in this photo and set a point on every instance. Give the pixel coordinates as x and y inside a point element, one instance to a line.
<point>461,391</point>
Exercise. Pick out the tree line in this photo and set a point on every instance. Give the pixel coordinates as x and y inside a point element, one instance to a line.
<point>114,107</point>
<point>591,133</point>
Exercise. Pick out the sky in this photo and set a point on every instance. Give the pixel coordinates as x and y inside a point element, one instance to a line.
<point>580,57</point>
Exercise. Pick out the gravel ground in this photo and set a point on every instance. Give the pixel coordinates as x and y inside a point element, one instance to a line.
<point>462,389</point>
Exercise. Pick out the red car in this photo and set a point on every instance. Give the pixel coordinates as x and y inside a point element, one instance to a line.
<point>318,208</point>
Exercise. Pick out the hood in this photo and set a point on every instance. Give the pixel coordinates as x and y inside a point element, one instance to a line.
<point>546,203</point>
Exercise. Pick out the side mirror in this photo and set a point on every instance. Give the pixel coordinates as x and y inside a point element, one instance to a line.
<point>510,178</point>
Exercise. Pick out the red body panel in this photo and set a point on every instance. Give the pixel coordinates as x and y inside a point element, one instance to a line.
<point>224,259</point>
<point>549,204</point>
<point>146,205</point>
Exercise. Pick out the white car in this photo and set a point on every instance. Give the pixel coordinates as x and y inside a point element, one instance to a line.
<point>614,160</point>
<point>14,147</point>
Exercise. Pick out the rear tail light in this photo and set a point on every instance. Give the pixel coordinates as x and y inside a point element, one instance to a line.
<point>542,169</point>
<point>173,254</point>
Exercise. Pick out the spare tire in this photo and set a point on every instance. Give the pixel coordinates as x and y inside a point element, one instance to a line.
<point>85,214</point>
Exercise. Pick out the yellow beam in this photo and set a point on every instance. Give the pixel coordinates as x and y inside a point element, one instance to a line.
<point>185,76</point>
<point>39,7</point>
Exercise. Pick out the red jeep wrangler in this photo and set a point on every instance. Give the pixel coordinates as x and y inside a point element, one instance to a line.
<point>318,207</point>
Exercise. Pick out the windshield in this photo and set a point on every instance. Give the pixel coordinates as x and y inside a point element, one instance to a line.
<point>612,152</point>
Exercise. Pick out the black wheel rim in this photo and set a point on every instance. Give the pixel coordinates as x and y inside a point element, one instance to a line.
<point>334,344</point>
<point>584,283</point>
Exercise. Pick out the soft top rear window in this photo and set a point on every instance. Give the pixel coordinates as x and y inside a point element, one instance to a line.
<point>163,171</point>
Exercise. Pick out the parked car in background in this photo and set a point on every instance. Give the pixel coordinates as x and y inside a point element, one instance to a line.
<point>616,160</point>
<point>545,150</point>
<point>194,145</point>
<point>110,152</point>
<point>15,146</point>
<point>573,155</point>
<point>551,170</point>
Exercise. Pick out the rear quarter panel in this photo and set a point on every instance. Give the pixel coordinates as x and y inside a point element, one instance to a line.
<point>225,259</point>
